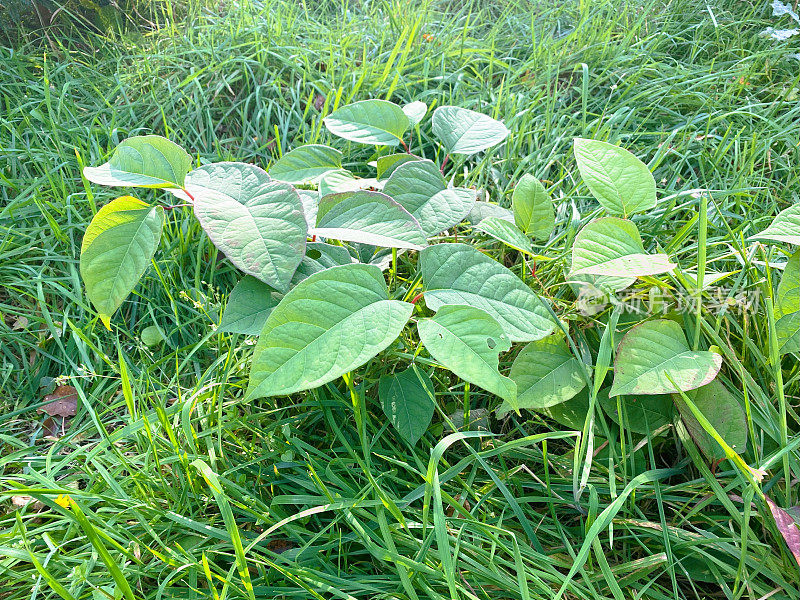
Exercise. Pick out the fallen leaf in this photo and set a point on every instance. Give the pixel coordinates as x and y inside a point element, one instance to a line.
<point>789,526</point>
<point>319,101</point>
<point>20,323</point>
<point>280,546</point>
<point>62,403</point>
<point>51,428</point>
<point>20,501</point>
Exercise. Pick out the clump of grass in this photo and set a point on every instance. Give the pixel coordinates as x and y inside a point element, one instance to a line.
<point>186,490</point>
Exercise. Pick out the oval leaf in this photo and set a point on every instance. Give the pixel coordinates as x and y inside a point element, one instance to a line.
<point>248,307</point>
<point>464,131</point>
<point>546,373</point>
<point>784,228</point>
<point>419,187</point>
<point>654,352</point>
<point>259,224</point>
<point>787,307</point>
<point>117,248</point>
<point>415,111</point>
<point>377,122</point>
<point>407,401</point>
<point>724,413</point>
<point>506,232</point>
<point>610,246</point>
<point>369,218</point>
<point>621,182</point>
<point>533,209</point>
<point>148,161</point>
<point>642,414</point>
<point>328,325</point>
<point>306,164</point>
<point>483,210</point>
<point>468,341</point>
<point>461,274</point>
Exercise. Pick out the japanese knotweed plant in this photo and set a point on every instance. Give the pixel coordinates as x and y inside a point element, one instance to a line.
<point>314,240</point>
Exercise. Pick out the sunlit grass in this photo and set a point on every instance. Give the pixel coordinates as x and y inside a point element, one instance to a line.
<point>693,90</point>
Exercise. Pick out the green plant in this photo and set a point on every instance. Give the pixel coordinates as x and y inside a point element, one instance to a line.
<point>323,309</point>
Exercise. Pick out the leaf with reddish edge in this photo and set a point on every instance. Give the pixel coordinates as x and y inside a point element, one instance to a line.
<point>788,525</point>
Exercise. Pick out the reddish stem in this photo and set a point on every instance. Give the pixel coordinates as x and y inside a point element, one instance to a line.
<point>417,297</point>
<point>444,163</point>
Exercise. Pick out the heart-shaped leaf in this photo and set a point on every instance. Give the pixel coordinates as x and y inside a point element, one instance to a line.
<point>570,413</point>
<point>787,307</point>
<point>116,250</point>
<point>376,122</point>
<point>621,182</point>
<point>464,131</point>
<point>306,164</point>
<point>642,414</point>
<point>341,180</point>
<point>258,223</point>
<point>415,111</point>
<point>326,326</point>
<point>461,274</point>
<point>369,218</point>
<point>546,373</point>
<point>468,341</point>
<point>610,246</point>
<point>784,228</point>
<point>148,161</point>
<point>506,232</point>
<point>724,413</point>
<point>533,208</point>
<point>654,352</point>
<point>419,187</point>
<point>248,307</point>
<point>407,401</point>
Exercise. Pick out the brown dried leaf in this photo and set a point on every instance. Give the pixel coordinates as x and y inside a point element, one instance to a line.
<point>20,501</point>
<point>789,526</point>
<point>62,403</point>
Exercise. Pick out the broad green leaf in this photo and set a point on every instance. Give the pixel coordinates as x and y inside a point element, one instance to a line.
<point>546,373</point>
<point>320,256</point>
<point>407,401</point>
<point>463,131</point>
<point>643,414</point>
<point>152,336</point>
<point>483,210</point>
<point>116,250</point>
<point>533,208</point>
<point>570,413</point>
<point>369,218</point>
<point>654,352</point>
<point>621,182</point>
<point>376,122</point>
<point>468,341</point>
<point>149,161</point>
<point>326,326</point>
<point>419,187</point>
<point>334,182</point>
<point>248,307</point>
<point>787,307</point>
<point>784,228</point>
<point>724,413</point>
<point>461,274</point>
<point>415,111</point>
<point>259,224</point>
<point>386,165</point>
<point>310,201</point>
<point>306,164</point>
<point>610,246</point>
<point>506,232</point>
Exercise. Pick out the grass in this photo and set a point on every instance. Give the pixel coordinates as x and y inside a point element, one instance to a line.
<point>188,492</point>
